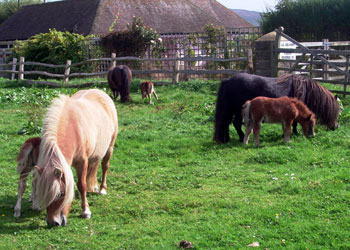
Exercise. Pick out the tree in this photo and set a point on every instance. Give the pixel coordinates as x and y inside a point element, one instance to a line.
<point>310,20</point>
<point>10,7</point>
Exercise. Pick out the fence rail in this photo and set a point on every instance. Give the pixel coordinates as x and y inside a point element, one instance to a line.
<point>18,68</point>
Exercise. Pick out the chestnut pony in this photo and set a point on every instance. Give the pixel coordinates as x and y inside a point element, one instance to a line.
<point>80,131</point>
<point>119,80</point>
<point>283,110</point>
<point>26,160</point>
<point>147,89</point>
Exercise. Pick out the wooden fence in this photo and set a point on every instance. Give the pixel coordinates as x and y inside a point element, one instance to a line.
<point>323,61</point>
<point>18,67</point>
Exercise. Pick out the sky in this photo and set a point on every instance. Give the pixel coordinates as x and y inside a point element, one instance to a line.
<point>255,5</point>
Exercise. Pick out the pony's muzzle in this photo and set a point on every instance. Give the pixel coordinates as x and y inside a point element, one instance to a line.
<point>311,134</point>
<point>61,221</point>
<point>334,127</point>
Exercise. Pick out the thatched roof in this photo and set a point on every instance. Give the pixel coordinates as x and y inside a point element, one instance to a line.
<point>97,16</point>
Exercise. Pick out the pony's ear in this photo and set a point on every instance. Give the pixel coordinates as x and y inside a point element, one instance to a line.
<point>40,169</point>
<point>336,97</point>
<point>57,172</point>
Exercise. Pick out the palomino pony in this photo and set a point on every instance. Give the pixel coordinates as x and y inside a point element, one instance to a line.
<point>26,160</point>
<point>233,93</point>
<point>80,131</point>
<point>147,89</point>
<point>283,110</point>
<point>119,79</point>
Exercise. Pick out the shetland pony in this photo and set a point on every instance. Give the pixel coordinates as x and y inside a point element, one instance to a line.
<point>80,131</point>
<point>119,79</point>
<point>26,160</point>
<point>233,93</point>
<point>147,89</point>
<point>283,110</point>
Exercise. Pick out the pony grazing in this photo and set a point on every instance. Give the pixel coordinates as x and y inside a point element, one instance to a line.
<point>147,89</point>
<point>283,110</point>
<point>119,79</point>
<point>78,131</point>
<point>233,93</point>
<point>26,160</point>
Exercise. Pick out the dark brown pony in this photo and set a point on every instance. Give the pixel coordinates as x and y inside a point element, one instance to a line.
<point>233,93</point>
<point>119,80</point>
<point>283,110</point>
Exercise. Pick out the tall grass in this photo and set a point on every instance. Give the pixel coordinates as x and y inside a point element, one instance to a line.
<point>169,182</point>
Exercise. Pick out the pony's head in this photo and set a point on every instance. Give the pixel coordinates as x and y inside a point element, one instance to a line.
<point>55,192</point>
<point>318,99</point>
<point>55,185</point>
<point>308,125</point>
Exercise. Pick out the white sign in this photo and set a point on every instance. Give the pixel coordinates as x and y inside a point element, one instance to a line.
<point>287,45</point>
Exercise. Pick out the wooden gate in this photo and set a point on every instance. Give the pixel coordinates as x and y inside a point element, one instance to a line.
<point>323,61</point>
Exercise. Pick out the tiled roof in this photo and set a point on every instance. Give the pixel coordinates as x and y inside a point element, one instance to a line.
<point>97,16</point>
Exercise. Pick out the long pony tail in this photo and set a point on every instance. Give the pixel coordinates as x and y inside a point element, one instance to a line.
<point>222,117</point>
<point>125,90</point>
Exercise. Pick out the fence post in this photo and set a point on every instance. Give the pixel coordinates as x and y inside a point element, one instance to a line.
<point>176,68</point>
<point>13,74</point>
<point>325,66</point>
<point>311,64</point>
<point>250,66</point>
<point>21,68</point>
<point>347,78</point>
<point>67,71</point>
<point>113,61</point>
<point>276,54</point>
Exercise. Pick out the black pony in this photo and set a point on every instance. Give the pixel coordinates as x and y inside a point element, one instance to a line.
<point>119,79</point>
<point>233,93</point>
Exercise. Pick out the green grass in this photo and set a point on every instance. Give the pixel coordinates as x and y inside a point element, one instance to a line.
<point>169,182</point>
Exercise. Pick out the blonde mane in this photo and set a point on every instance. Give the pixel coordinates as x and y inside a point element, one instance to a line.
<point>51,157</point>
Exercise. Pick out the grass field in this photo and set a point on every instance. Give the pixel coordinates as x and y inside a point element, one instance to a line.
<point>169,182</point>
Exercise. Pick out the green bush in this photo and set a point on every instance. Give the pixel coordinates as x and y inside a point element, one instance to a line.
<point>135,41</point>
<point>310,20</point>
<point>56,47</point>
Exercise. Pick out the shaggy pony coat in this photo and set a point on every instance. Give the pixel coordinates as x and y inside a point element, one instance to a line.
<point>234,92</point>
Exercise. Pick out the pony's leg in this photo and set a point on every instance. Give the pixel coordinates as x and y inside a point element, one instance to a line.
<point>248,131</point>
<point>287,129</point>
<point>35,203</point>
<point>237,123</point>
<point>21,188</point>
<point>105,167</point>
<point>81,174</point>
<point>116,94</point>
<point>295,131</point>
<point>149,97</point>
<point>256,132</point>
<point>155,94</point>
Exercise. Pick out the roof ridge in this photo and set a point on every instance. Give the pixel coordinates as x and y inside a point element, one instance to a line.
<point>205,12</point>
<point>228,10</point>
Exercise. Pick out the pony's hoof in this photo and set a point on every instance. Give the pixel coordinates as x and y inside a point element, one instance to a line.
<point>86,215</point>
<point>17,214</point>
<point>36,208</point>
<point>103,191</point>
